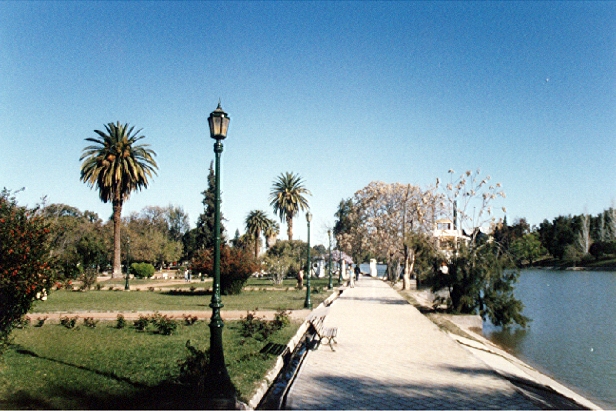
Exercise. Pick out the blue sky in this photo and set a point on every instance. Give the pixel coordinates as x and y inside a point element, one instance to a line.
<point>341,93</point>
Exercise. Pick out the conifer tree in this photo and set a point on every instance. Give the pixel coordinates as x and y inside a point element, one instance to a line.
<point>206,221</point>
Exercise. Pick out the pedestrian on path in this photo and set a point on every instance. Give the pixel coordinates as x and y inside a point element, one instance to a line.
<point>357,272</point>
<point>351,276</point>
<point>300,279</point>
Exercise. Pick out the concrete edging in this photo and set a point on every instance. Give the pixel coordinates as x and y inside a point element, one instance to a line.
<point>292,344</point>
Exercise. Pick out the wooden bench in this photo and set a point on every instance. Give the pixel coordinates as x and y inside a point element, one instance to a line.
<point>325,334</point>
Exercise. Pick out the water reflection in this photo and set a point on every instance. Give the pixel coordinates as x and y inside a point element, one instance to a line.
<point>511,338</point>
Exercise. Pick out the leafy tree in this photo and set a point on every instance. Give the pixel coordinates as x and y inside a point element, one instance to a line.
<point>77,240</point>
<point>150,237</point>
<point>344,223</point>
<point>26,268</point>
<point>288,198</point>
<point>600,249</point>
<point>527,249</point>
<point>572,254</point>
<point>290,253</point>
<point>177,222</point>
<point>116,165</point>
<point>256,223</point>
<point>557,235</point>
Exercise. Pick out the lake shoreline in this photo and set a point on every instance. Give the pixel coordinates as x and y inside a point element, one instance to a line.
<point>532,380</point>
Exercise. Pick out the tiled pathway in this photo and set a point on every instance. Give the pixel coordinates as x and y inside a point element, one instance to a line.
<point>389,356</point>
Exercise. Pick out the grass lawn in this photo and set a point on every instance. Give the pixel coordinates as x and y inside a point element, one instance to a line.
<point>134,301</point>
<point>53,367</point>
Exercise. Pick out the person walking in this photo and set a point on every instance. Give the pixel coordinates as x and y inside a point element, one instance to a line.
<point>300,279</point>
<point>351,276</point>
<point>357,272</point>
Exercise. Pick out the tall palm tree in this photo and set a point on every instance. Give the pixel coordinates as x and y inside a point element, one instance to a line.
<point>287,198</point>
<point>256,223</point>
<point>116,166</point>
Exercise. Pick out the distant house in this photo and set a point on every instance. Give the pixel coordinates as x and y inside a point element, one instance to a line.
<point>447,236</point>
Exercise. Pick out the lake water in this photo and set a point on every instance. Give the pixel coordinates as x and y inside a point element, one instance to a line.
<point>572,337</point>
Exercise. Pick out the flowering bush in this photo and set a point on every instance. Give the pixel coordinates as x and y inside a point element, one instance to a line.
<point>25,266</point>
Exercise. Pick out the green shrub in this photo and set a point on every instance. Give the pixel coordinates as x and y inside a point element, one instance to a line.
<point>121,321</point>
<point>142,322</point>
<point>23,322</point>
<point>69,322</point>
<point>90,322</point>
<point>166,325</point>
<point>142,270</point>
<point>189,319</point>
<point>88,279</point>
<point>40,321</point>
<point>282,319</point>
<point>256,327</point>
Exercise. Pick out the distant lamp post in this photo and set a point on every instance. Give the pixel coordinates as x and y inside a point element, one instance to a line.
<point>126,285</point>
<point>220,388</point>
<point>329,262</point>
<point>340,266</point>
<point>308,302</point>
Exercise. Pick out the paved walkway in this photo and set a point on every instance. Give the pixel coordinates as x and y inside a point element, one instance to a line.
<point>389,356</point>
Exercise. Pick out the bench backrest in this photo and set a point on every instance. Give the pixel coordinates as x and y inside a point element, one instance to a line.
<point>317,324</point>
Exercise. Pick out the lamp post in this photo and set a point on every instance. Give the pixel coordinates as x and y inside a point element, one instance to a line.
<point>329,262</point>
<point>340,267</point>
<point>220,389</point>
<point>308,302</point>
<point>126,286</point>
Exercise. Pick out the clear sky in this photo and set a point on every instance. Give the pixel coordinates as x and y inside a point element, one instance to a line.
<point>341,93</point>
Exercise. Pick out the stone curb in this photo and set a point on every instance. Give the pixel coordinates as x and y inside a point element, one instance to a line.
<point>292,344</point>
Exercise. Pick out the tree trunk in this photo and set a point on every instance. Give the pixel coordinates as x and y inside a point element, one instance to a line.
<point>409,264</point>
<point>290,228</point>
<point>117,244</point>
<point>257,244</point>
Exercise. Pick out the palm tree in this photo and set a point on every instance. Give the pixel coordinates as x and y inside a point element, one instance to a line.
<point>256,223</point>
<point>117,166</point>
<point>287,198</point>
<point>270,233</point>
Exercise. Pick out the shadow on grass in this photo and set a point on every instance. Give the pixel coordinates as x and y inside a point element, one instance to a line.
<point>166,396</point>
<point>134,395</point>
<point>179,291</point>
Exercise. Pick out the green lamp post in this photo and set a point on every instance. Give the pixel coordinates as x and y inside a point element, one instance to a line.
<point>126,285</point>
<point>329,262</point>
<point>221,392</point>
<point>340,267</point>
<point>308,302</point>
